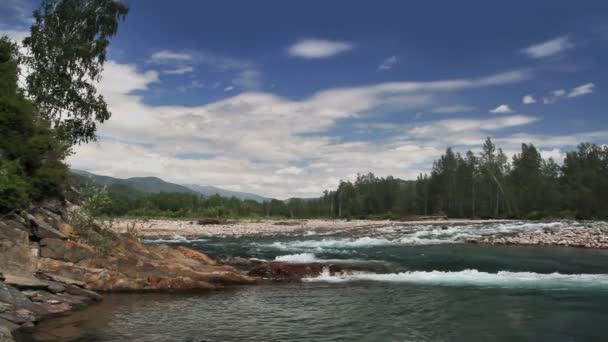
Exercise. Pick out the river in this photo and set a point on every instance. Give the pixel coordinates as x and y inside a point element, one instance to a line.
<point>421,284</point>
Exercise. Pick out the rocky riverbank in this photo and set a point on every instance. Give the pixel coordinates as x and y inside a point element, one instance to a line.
<point>168,227</point>
<point>47,270</point>
<point>593,235</point>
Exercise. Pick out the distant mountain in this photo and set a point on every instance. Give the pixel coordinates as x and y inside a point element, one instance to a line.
<point>136,185</point>
<point>140,184</point>
<point>208,190</point>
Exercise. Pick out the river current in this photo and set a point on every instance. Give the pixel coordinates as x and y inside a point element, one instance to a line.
<point>421,284</point>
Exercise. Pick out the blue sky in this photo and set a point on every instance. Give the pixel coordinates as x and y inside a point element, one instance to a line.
<point>287,98</point>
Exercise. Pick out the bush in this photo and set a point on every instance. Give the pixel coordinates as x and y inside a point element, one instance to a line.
<point>31,155</point>
<point>89,227</point>
<point>13,188</point>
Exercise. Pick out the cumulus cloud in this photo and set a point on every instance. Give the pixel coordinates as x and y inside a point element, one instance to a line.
<point>252,136</point>
<point>528,99</point>
<point>388,63</point>
<point>581,90</point>
<point>502,109</point>
<point>318,48</point>
<point>549,48</point>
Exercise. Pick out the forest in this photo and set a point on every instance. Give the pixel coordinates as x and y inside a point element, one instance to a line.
<point>483,185</point>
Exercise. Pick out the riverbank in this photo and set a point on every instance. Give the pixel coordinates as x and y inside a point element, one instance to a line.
<point>593,235</point>
<point>168,227</point>
<point>47,269</point>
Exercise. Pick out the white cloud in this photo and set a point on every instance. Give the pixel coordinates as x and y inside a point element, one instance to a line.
<point>292,170</point>
<point>253,135</point>
<point>229,88</point>
<point>15,35</point>
<point>559,94</point>
<point>502,109</point>
<point>443,127</point>
<point>528,99</point>
<point>248,79</point>
<point>179,70</point>
<point>549,48</point>
<point>167,56</point>
<point>388,63</point>
<point>318,48</point>
<point>582,90</point>
<point>556,154</point>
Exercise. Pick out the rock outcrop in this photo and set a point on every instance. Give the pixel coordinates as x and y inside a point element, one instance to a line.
<point>283,271</point>
<point>594,235</point>
<point>46,270</point>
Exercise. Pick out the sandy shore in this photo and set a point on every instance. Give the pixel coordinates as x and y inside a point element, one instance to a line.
<point>157,228</point>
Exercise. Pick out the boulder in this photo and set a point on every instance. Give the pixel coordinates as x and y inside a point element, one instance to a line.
<point>15,249</point>
<point>282,271</point>
<point>24,283</point>
<point>16,315</point>
<point>66,229</point>
<point>41,229</point>
<point>59,279</point>
<point>70,251</point>
<point>80,292</point>
<point>11,295</point>
<point>5,331</point>
<point>202,257</point>
<point>61,269</point>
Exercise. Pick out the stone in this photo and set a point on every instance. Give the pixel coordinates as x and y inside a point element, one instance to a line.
<point>11,295</point>
<point>70,251</point>
<point>78,291</point>
<point>16,315</point>
<point>15,250</point>
<point>54,287</point>
<point>59,279</point>
<point>54,205</point>
<point>5,331</point>
<point>66,229</point>
<point>24,283</point>
<point>41,229</point>
<point>202,257</point>
<point>282,271</point>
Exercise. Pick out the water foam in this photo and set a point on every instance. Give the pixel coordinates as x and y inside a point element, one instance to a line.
<point>305,258</point>
<point>472,277</point>
<point>351,243</point>
<point>419,235</point>
<point>174,239</point>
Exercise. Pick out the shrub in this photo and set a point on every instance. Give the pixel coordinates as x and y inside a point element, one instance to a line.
<point>88,225</point>
<point>13,188</point>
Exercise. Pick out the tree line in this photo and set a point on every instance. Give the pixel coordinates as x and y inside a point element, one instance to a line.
<point>483,185</point>
<point>56,104</point>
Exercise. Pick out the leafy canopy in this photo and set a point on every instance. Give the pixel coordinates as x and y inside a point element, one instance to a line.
<point>67,51</point>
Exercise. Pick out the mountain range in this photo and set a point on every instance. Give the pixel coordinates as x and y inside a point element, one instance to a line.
<point>137,185</point>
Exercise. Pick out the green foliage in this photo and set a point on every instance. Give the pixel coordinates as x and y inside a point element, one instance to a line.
<point>88,224</point>
<point>67,46</point>
<point>13,188</point>
<point>31,155</point>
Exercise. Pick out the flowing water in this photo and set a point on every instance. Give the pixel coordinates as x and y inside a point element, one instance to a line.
<point>420,284</point>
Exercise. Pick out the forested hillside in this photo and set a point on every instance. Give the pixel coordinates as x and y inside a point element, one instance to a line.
<point>484,185</point>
